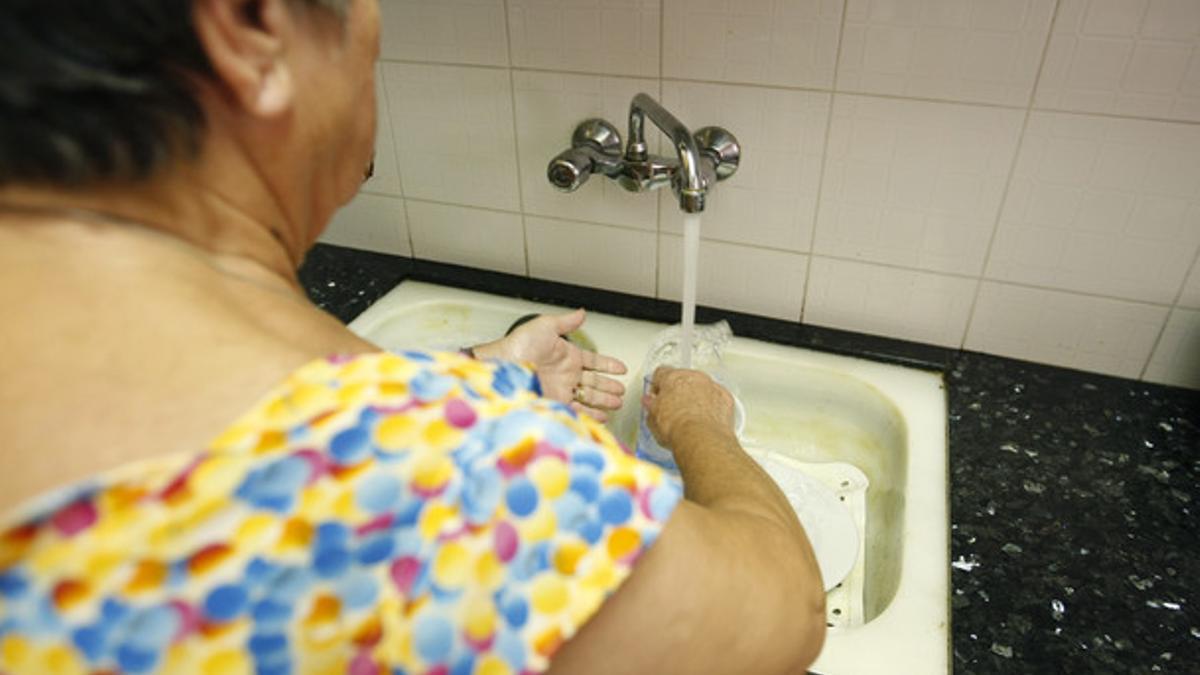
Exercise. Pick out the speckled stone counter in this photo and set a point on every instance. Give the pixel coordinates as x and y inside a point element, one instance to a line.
<point>1074,548</point>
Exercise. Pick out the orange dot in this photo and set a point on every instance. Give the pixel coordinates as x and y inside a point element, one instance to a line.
<point>297,533</point>
<point>147,576</point>
<point>566,558</point>
<point>270,441</point>
<point>622,542</point>
<point>369,634</point>
<point>208,558</point>
<point>69,593</point>
<point>325,608</point>
<point>548,642</point>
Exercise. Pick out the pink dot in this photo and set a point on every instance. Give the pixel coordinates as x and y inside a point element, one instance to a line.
<point>75,518</point>
<point>405,572</point>
<point>189,619</point>
<point>364,665</point>
<point>506,540</point>
<point>460,414</point>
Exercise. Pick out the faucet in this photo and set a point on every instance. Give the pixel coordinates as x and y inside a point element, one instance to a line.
<point>701,159</point>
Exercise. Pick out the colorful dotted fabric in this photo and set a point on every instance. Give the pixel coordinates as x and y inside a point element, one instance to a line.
<point>409,513</point>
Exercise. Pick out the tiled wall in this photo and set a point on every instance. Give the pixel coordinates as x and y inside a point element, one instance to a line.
<point>1019,177</point>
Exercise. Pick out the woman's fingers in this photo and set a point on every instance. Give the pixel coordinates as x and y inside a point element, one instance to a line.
<point>605,384</point>
<point>598,415</point>
<point>602,364</point>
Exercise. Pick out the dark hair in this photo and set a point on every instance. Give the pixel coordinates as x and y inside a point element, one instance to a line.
<point>99,90</point>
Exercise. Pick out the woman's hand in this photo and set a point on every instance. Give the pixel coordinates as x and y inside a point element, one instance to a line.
<point>567,373</point>
<point>686,400</point>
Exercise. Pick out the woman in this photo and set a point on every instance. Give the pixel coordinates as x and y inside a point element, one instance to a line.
<point>204,473</point>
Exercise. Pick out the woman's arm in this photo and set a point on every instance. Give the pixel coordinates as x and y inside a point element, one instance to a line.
<point>731,585</point>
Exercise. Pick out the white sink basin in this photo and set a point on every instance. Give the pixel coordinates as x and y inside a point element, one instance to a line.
<point>888,422</point>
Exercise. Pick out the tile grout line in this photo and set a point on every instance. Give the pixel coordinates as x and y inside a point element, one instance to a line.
<point>817,90</point>
<point>1174,306</point>
<point>1012,172</point>
<point>387,101</point>
<point>512,92</point>
<point>816,212</point>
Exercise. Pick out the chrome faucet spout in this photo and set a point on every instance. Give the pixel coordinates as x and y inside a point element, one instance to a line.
<point>689,181</point>
<point>698,162</point>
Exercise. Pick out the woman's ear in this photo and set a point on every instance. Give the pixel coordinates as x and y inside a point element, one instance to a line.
<point>246,42</point>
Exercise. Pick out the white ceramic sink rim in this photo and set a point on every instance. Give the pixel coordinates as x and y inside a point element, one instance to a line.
<point>912,632</point>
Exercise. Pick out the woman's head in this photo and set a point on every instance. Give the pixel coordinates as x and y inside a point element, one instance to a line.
<point>116,91</point>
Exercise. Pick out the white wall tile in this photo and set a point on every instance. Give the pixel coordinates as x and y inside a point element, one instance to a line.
<point>1102,205</point>
<point>1127,57</point>
<point>386,179</point>
<point>444,31</point>
<point>915,183</point>
<point>454,133</point>
<point>1190,297</point>
<point>984,51</point>
<point>1176,360</point>
<point>492,240</point>
<point>790,43</point>
<point>752,280</point>
<point>549,107</point>
<point>920,306</point>
<point>1064,329</point>
<point>591,255</point>
<point>771,200</point>
<point>370,222</point>
<point>614,37</point>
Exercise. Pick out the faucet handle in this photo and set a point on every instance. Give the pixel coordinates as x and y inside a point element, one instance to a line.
<point>721,148</point>
<point>595,146</point>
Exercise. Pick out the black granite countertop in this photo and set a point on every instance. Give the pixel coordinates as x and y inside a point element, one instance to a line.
<point>1074,548</point>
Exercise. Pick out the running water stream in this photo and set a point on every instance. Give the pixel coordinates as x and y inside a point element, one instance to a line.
<point>691,252</point>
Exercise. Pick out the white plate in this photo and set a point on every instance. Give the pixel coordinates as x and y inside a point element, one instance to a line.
<point>828,523</point>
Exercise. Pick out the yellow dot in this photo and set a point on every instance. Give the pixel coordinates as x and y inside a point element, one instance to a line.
<point>396,433</point>
<point>440,435</point>
<point>489,572</point>
<point>550,476</point>
<point>430,472</point>
<point>584,603</point>
<point>435,518</point>
<point>549,594</point>
<point>14,651</point>
<point>541,526</point>
<point>229,662</point>
<point>480,619</point>
<point>600,575</point>
<point>622,542</point>
<point>492,665</point>
<point>254,530</point>
<point>566,558</point>
<point>452,566</point>
<point>218,475</point>
<point>61,660</point>
<point>311,398</point>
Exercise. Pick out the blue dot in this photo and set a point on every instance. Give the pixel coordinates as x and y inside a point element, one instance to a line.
<point>257,571</point>
<point>270,613</point>
<point>112,611</point>
<point>481,494</point>
<point>586,485</point>
<point>464,665</point>
<point>591,531</point>
<point>433,637</point>
<point>663,500</point>
<point>512,649</point>
<point>92,641</point>
<point>12,584</point>
<point>616,507</point>
<point>288,584</point>
<point>378,493</point>
<point>331,562</point>
<point>281,665</point>
<point>153,628</point>
<point>588,457</point>
<point>522,497</point>
<point>226,602</point>
<point>375,549</point>
<point>417,356</point>
<point>284,476</point>
<point>350,446</point>
<point>332,533</point>
<point>358,590</point>
<point>570,511</point>
<point>133,659</point>
<point>263,645</point>
<point>515,610</point>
